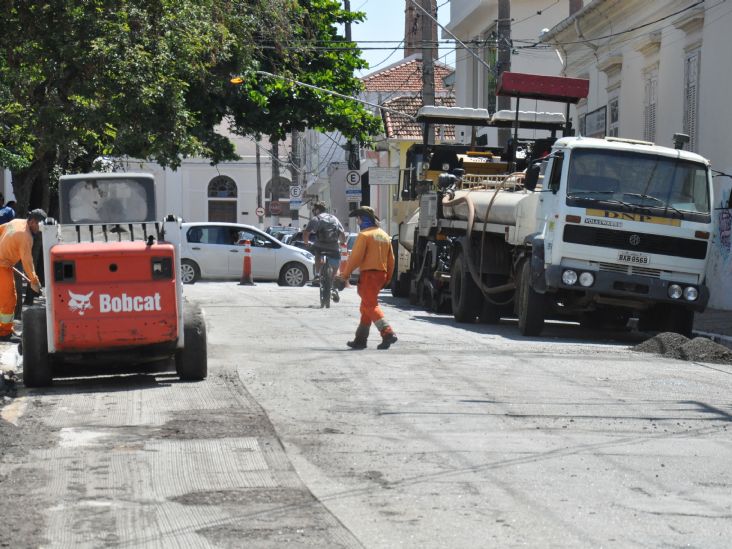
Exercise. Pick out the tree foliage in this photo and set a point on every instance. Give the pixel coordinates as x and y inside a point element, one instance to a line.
<point>150,79</point>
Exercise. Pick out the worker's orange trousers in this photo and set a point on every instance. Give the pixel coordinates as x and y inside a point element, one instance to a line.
<point>7,300</point>
<point>369,286</point>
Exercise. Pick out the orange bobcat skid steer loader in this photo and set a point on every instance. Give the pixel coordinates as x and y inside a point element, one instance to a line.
<point>113,288</point>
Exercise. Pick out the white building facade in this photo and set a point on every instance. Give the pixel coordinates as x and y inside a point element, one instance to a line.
<point>656,68</point>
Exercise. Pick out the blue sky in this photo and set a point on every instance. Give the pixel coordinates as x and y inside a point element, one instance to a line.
<point>385,21</point>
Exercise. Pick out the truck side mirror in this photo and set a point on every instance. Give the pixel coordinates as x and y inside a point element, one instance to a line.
<point>532,176</point>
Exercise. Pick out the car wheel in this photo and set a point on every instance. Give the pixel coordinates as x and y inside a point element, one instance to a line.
<point>189,271</point>
<point>293,274</point>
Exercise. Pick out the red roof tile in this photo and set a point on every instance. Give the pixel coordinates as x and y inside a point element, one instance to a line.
<point>402,127</point>
<point>406,76</point>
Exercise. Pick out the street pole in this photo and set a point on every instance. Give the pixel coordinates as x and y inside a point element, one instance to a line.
<point>354,162</point>
<point>259,187</point>
<point>274,188</point>
<point>504,63</point>
<point>428,66</point>
<point>295,173</point>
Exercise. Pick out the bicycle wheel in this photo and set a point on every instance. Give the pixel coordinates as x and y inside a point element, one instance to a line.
<point>326,280</point>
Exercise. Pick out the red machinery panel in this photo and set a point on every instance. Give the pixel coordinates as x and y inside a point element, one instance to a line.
<point>547,88</point>
<point>113,294</point>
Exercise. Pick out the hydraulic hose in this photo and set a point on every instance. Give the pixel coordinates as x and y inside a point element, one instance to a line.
<point>468,247</point>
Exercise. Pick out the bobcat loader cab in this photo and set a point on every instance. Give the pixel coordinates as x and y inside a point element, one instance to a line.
<point>113,290</point>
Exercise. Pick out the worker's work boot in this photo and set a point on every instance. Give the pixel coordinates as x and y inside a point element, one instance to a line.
<point>387,339</point>
<point>362,334</point>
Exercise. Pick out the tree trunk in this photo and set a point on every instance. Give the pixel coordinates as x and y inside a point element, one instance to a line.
<point>34,178</point>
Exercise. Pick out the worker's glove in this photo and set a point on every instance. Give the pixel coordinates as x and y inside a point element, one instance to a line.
<point>339,283</point>
<point>36,287</point>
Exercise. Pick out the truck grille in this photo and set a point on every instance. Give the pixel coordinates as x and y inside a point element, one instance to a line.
<point>630,270</point>
<point>636,241</point>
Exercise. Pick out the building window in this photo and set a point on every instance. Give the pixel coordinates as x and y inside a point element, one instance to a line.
<point>691,97</point>
<point>222,187</point>
<point>650,100</point>
<point>222,193</point>
<point>613,117</point>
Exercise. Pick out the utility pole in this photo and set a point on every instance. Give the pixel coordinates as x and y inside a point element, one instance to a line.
<point>275,185</point>
<point>295,173</point>
<point>354,161</point>
<point>504,61</point>
<point>428,66</point>
<point>259,187</point>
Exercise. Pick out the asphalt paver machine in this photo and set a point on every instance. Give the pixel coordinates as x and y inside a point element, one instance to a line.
<point>112,283</point>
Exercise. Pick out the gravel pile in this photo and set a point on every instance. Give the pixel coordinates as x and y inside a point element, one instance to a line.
<point>8,387</point>
<point>699,349</point>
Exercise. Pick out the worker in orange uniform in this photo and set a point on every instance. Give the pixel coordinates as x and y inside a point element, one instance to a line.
<point>16,242</point>
<point>372,254</point>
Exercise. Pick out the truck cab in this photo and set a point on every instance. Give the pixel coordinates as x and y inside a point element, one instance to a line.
<point>624,226</point>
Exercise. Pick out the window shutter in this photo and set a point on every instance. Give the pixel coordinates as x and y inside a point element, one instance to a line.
<point>649,109</point>
<point>691,98</point>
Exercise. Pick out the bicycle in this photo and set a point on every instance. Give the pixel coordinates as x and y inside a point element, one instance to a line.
<point>328,269</point>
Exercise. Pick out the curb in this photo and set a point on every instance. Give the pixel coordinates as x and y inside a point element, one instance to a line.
<point>717,338</point>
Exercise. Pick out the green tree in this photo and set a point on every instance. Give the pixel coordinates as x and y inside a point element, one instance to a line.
<point>150,79</point>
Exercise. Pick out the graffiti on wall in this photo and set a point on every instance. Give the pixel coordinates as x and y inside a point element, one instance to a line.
<point>723,238</point>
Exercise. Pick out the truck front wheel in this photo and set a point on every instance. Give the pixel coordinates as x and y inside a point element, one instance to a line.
<point>191,362</point>
<point>466,297</point>
<point>531,305</point>
<point>37,367</point>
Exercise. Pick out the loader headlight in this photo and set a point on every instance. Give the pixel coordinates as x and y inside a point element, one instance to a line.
<point>586,280</point>
<point>675,291</point>
<point>569,277</point>
<point>691,293</point>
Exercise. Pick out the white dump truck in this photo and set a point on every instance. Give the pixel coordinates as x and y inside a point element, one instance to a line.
<point>597,230</point>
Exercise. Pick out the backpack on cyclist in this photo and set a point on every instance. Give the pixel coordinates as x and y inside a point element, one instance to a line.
<point>328,228</point>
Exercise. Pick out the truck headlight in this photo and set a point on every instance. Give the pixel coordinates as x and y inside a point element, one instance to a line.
<point>691,293</point>
<point>675,291</point>
<point>569,277</point>
<point>586,279</point>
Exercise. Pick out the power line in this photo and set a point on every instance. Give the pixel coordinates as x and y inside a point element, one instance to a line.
<point>619,33</point>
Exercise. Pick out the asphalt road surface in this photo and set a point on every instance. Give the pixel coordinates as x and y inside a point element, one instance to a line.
<point>457,436</point>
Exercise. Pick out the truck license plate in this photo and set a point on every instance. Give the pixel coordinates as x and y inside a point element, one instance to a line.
<point>633,258</point>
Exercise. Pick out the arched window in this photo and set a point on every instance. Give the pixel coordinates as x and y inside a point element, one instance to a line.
<point>222,186</point>
<point>222,193</point>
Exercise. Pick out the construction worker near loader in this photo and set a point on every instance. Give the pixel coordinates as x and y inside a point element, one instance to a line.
<point>373,255</point>
<point>16,243</point>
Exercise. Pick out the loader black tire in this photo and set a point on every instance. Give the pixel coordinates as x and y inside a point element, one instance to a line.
<point>467,300</point>
<point>191,362</point>
<point>531,306</point>
<point>37,365</point>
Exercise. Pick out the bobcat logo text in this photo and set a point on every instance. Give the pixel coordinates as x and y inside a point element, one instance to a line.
<point>124,303</point>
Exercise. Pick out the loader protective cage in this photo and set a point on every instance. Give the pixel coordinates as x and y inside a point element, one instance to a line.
<point>93,199</point>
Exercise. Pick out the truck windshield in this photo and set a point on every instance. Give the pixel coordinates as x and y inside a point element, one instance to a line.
<point>621,180</point>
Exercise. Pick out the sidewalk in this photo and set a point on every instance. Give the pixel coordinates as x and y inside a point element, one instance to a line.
<point>714,324</point>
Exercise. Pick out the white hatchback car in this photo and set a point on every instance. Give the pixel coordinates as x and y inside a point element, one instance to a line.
<point>216,251</point>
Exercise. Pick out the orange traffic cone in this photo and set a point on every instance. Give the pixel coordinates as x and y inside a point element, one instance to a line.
<point>344,260</point>
<point>246,273</point>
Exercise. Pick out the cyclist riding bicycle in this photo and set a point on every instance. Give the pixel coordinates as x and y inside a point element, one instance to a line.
<point>328,233</point>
